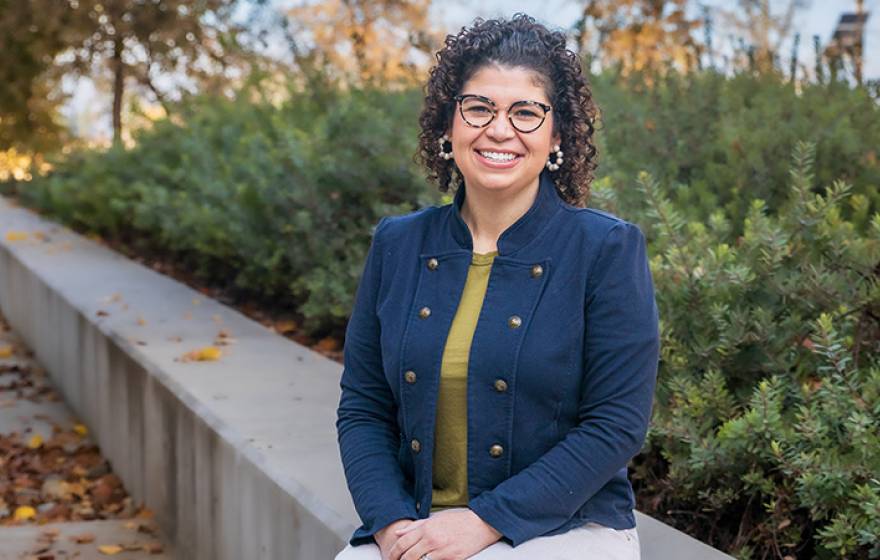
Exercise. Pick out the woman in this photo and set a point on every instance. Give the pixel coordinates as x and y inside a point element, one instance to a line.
<point>501,356</point>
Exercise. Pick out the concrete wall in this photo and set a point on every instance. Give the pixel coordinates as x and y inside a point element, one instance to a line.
<point>236,457</point>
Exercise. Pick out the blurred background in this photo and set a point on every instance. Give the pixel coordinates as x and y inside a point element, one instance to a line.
<point>248,148</point>
<point>91,70</point>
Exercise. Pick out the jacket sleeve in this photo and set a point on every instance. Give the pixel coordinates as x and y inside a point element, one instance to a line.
<point>367,430</point>
<point>621,352</point>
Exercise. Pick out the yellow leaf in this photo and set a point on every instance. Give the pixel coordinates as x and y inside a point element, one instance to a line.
<point>80,429</point>
<point>5,351</point>
<point>24,512</point>
<point>35,441</point>
<point>110,549</point>
<point>16,235</point>
<point>208,353</point>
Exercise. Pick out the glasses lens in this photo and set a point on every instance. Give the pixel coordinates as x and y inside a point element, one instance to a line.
<point>476,111</point>
<point>526,116</point>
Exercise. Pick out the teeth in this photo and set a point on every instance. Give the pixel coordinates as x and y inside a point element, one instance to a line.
<point>497,156</point>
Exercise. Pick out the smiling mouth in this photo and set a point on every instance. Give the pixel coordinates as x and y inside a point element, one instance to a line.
<point>500,157</point>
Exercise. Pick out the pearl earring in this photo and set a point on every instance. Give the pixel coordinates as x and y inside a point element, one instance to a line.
<point>554,165</point>
<point>443,153</point>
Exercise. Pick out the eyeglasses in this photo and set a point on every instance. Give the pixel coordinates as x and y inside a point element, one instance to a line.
<point>478,111</point>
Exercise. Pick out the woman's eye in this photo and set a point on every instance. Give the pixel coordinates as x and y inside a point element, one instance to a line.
<point>479,110</point>
<point>527,114</point>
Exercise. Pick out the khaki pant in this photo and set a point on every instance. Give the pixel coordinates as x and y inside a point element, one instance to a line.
<point>588,542</point>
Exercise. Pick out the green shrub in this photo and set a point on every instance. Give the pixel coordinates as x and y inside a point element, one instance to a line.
<point>275,202</point>
<point>765,429</point>
<point>719,142</point>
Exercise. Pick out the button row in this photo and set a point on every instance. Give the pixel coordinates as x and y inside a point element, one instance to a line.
<point>410,377</point>
<point>537,270</point>
<point>514,321</point>
<point>495,451</point>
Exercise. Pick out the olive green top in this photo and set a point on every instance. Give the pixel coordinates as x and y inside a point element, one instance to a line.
<point>450,434</point>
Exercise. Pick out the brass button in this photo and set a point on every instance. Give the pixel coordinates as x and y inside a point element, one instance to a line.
<point>500,385</point>
<point>418,506</point>
<point>496,450</point>
<point>424,312</point>
<point>537,270</point>
<point>433,264</point>
<point>410,376</point>
<point>514,321</point>
<point>416,446</point>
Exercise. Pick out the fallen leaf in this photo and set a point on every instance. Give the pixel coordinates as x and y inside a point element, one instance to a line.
<point>83,538</point>
<point>51,533</point>
<point>208,353</point>
<point>35,441</point>
<point>23,513</point>
<point>110,549</point>
<point>16,235</point>
<point>328,344</point>
<point>5,351</point>
<point>285,326</point>
<point>223,338</point>
<point>80,429</point>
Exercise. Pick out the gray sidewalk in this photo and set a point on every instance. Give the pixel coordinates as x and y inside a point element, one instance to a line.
<point>33,413</point>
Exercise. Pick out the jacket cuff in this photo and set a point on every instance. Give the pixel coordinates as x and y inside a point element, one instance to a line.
<point>511,531</point>
<point>364,534</point>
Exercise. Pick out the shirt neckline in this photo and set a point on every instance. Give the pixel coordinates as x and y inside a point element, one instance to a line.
<point>483,258</point>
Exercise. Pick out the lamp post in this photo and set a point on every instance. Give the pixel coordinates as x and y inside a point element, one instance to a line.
<point>848,38</point>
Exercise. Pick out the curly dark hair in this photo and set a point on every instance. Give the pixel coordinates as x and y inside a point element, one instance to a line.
<point>518,42</point>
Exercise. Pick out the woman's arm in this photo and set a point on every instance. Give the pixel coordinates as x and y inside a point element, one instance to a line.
<point>367,430</point>
<point>621,354</point>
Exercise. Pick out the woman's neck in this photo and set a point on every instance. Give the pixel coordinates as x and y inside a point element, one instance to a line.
<point>487,213</point>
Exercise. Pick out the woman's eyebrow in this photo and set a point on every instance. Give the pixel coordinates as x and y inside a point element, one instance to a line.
<point>523,100</point>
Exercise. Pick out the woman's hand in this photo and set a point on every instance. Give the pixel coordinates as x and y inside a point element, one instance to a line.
<point>447,535</point>
<point>386,537</point>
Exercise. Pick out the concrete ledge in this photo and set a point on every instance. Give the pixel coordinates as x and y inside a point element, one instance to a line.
<point>237,457</point>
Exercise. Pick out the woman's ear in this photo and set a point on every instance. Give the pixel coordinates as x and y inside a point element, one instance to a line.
<point>556,140</point>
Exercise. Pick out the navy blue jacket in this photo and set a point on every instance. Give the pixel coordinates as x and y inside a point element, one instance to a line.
<point>561,371</point>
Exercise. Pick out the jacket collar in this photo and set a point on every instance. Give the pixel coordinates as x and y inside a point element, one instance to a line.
<point>521,232</point>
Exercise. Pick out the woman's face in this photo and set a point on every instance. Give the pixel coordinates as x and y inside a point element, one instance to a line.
<point>473,148</point>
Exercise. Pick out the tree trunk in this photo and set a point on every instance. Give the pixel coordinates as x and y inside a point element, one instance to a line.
<point>118,89</point>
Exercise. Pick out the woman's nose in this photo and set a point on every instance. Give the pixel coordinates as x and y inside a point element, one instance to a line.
<point>500,128</point>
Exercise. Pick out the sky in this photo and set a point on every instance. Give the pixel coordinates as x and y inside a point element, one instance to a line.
<point>87,109</point>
